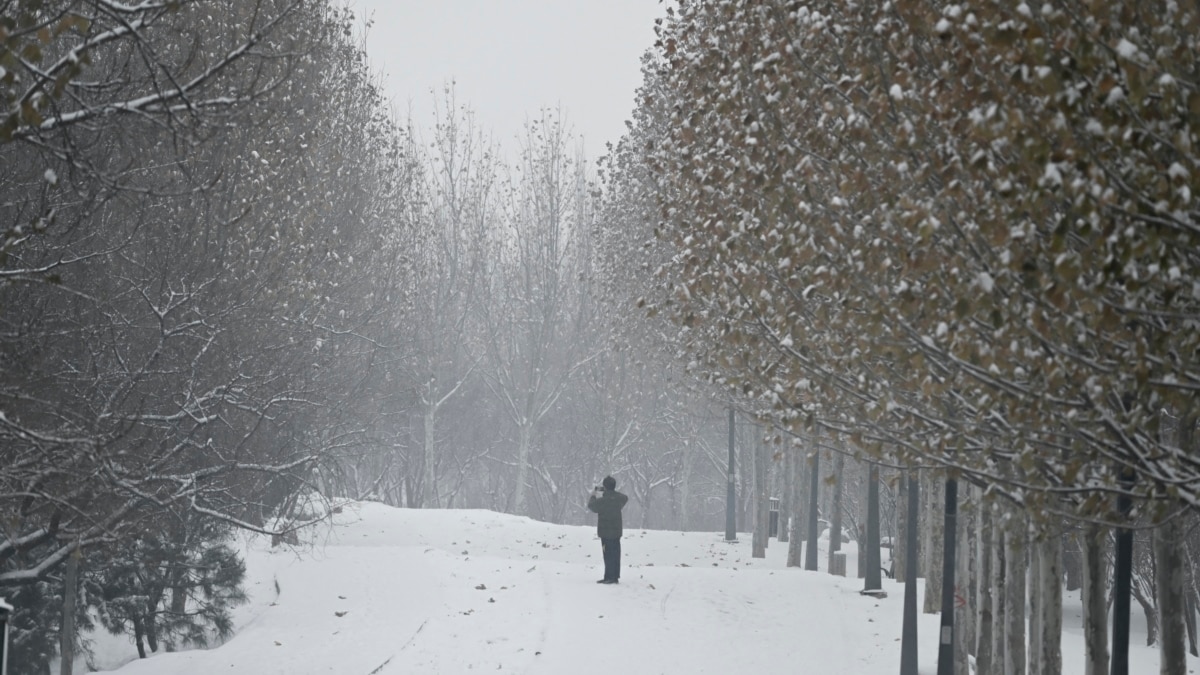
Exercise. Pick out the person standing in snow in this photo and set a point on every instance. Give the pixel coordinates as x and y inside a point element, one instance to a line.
<point>607,503</point>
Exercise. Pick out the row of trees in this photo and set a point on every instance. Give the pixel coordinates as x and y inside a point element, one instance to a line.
<point>957,237</point>
<point>929,236</point>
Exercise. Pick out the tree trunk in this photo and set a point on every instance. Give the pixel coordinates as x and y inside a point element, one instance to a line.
<point>908,634</point>
<point>860,534</point>
<point>1095,600</point>
<point>1049,588</point>
<point>1149,611</point>
<point>747,497</point>
<point>795,544</point>
<point>934,528</point>
<point>66,644</point>
<point>1073,563</point>
<point>1000,575</point>
<point>1172,596</point>
<point>1190,622</point>
<point>179,598</point>
<point>1122,578</point>
<point>1173,566</point>
<point>524,437</point>
<point>949,630</point>
<point>1035,602</point>
<point>647,511</point>
<point>730,486</point>
<point>814,529</point>
<point>762,505</point>
<point>1014,598</point>
<point>835,516</point>
<point>860,538</point>
<point>785,498</point>
<point>429,495</point>
<point>138,632</point>
<point>685,488</point>
<point>1193,602</point>
<point>873,577</point>
<point>964,606</point>
<point>151,632</point>
<point>985,555</point>
<point>900,543</point>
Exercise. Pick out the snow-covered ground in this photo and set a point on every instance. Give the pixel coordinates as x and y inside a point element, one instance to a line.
<point>395,591</point>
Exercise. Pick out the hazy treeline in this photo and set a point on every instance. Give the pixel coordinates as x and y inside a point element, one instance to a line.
<point>230,281</point>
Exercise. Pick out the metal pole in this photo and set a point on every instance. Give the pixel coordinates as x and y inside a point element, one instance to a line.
<point>946,640</point>
<point>730,492</point>
<point>908,641</point>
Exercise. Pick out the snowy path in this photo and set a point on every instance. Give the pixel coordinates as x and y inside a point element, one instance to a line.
<point>400,592</point>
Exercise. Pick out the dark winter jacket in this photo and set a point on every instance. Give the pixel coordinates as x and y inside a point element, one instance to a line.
<point>608,507</point>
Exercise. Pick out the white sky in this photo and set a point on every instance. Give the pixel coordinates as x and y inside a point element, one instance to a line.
<point>510,58</point>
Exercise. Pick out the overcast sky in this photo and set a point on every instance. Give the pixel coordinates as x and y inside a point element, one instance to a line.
<point>510,58</point>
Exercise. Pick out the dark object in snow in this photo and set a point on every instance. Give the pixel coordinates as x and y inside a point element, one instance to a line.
<point>607,505</point>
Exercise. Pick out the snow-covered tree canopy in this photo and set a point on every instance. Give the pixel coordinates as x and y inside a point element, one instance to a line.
<point>204,208</point>
<point>961,233</point>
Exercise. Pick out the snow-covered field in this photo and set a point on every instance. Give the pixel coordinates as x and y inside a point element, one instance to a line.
<point>395,592</point>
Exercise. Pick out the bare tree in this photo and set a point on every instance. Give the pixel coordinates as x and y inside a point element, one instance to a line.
<point>527,317</point>
<point>460,194</point>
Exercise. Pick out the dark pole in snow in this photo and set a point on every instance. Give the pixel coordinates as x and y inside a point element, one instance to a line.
<point>730,493</point>
<point>908,640</point>
<point>810,545</point>
<point>1122,573</point>
<point>946,639</point>
<point>874,580</point>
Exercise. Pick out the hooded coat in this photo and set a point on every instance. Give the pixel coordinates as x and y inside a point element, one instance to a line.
<point>608,509</point>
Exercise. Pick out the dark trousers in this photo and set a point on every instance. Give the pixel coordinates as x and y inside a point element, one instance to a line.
<point>612,558</point>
